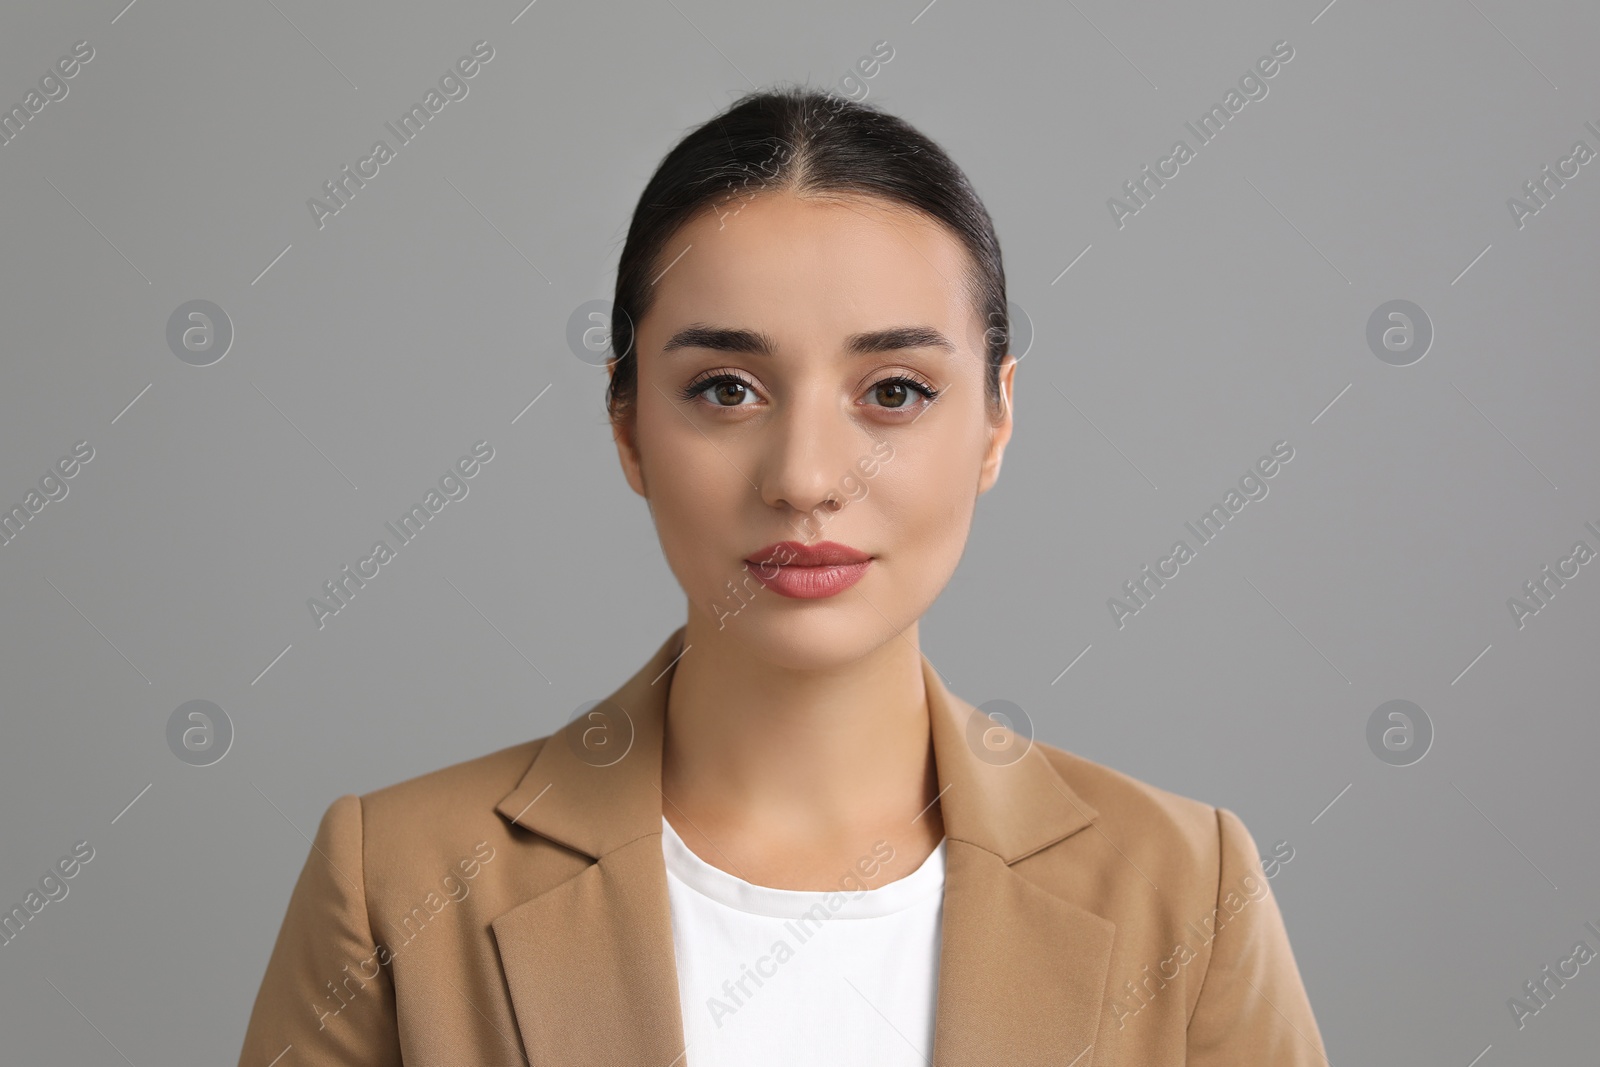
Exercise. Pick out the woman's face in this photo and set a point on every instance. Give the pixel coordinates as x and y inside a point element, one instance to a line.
<point>787,358</point>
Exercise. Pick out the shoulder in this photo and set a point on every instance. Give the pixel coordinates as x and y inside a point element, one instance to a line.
<point>1124,801</point>
<point>427,823</point>
<point>447,803</point>
<point>1156,827</point>
<point>475,784</point>
<point>1192,907</point>
<point>1153,858</point>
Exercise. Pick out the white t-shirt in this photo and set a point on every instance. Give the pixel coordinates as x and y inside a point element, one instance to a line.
<point>792,978</point>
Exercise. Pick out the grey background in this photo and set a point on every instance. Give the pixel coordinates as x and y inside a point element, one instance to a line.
<point>1228,314</point>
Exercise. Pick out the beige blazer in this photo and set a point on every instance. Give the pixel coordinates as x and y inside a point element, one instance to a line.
<point>513,909</point>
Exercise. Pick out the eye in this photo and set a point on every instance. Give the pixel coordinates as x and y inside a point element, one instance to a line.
<point>896,393</point>
<point>726,390</point>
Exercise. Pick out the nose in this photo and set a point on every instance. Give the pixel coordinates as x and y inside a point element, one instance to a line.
<point>807,456</point>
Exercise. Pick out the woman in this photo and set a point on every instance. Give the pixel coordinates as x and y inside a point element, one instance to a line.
<point>784,840</point>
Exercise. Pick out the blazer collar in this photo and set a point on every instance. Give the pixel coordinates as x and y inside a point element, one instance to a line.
<point>590,963</point>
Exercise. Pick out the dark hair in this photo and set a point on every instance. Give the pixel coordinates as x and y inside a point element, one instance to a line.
<point>805,141</point>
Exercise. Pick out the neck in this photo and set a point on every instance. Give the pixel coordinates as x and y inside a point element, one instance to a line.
<point>803,754</point>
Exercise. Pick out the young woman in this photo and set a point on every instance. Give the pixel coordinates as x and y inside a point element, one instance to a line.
<point>784,840</point>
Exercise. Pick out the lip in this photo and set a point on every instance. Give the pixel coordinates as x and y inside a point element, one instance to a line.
<point>808,572</point>
<point>800,554</point>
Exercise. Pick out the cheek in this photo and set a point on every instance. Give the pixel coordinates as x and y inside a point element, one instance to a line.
<point>695,496</point>
<point>926,494</point>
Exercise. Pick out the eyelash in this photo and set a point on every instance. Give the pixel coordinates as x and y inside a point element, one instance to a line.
<point>700,385</point>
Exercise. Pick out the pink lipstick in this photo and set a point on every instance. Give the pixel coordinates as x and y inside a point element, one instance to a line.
<point>808,572</point>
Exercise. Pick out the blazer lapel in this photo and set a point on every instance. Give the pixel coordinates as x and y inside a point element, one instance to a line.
<point>1022,971</point>
<point>590,967</point>
<point>589,962</point>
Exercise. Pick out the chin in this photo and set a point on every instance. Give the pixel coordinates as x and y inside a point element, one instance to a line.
<point>810,635</point>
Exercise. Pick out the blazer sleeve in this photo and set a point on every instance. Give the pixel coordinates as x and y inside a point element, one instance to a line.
<point>1252,1008</point>
<point>328,993</point>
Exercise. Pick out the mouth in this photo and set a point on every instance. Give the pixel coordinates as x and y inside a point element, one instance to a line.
<point>808,572</point>
<point>800,554</point>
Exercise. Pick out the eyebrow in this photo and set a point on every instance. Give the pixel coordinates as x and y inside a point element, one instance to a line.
<point>754,342</point>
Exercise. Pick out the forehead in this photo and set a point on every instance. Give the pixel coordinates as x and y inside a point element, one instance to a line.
<point>811,267</point>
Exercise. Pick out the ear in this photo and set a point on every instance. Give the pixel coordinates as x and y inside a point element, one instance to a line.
<point>628,453</point>
<point>1000,431</point>
<point>625,434</point>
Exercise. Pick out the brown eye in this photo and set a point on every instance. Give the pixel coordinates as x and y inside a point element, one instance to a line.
<point>892,394</point>
<point>728,393</point>
<point>721,390</point>
<point>900,393</point>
